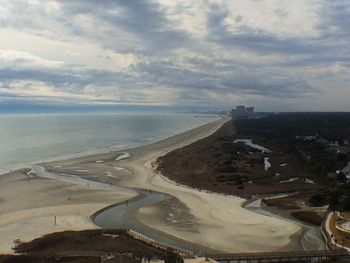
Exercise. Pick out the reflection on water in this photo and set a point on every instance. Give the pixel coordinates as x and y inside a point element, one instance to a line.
<point>250,143</point>
<point>121,216</point>
<point>33,138</point>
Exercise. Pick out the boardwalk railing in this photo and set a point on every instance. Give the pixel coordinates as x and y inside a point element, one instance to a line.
<point>297,256</point>
<point>157,244</point>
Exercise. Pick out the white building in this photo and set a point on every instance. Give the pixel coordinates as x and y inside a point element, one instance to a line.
<point>346,171</point>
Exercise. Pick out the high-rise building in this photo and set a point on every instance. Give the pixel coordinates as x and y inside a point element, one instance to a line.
<point>241,112</point>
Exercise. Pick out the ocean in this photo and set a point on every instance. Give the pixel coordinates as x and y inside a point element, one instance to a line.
<point>30,138</point>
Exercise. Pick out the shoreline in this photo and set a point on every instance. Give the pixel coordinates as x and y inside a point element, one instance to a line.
<point>213,213</point>
<point>20,182</point>
<point>95,151</point>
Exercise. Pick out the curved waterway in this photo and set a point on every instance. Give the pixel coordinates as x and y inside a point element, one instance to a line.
<point>123,215</point>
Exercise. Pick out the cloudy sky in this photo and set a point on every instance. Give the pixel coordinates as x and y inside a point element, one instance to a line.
<point>277,55</point>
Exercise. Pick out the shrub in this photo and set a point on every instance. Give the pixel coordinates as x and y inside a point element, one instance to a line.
<point>226,169</point>
<point>318,200</point>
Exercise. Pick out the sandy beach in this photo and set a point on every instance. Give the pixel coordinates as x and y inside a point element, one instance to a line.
<point>28,204</point>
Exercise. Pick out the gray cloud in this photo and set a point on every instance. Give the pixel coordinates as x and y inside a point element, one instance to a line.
<point>78,79</point>
<point>256,40</point>
<point>144,55</point>
<point>143,19</point>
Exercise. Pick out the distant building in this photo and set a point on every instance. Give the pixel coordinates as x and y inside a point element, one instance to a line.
<point>241,112</point>
<point>346,171</point>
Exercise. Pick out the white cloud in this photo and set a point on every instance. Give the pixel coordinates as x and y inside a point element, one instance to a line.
<point>77,53</point>
<point>175,52</point>
<point>14,58</point>
<point>285,18</point>
<point>188,15</point>
<point>39,89</point>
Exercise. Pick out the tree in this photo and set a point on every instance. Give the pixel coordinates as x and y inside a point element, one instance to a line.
<point>318,200</point>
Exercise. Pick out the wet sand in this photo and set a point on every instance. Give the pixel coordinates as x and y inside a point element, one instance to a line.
<point>28,206</point>
<point>220,222</point>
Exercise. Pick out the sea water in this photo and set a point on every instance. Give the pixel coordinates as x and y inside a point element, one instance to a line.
<point>30,138</point>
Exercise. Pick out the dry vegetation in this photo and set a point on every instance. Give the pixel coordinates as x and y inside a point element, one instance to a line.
<point>219,165</point>
<point>310,217</point>
<point>83,246</point>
